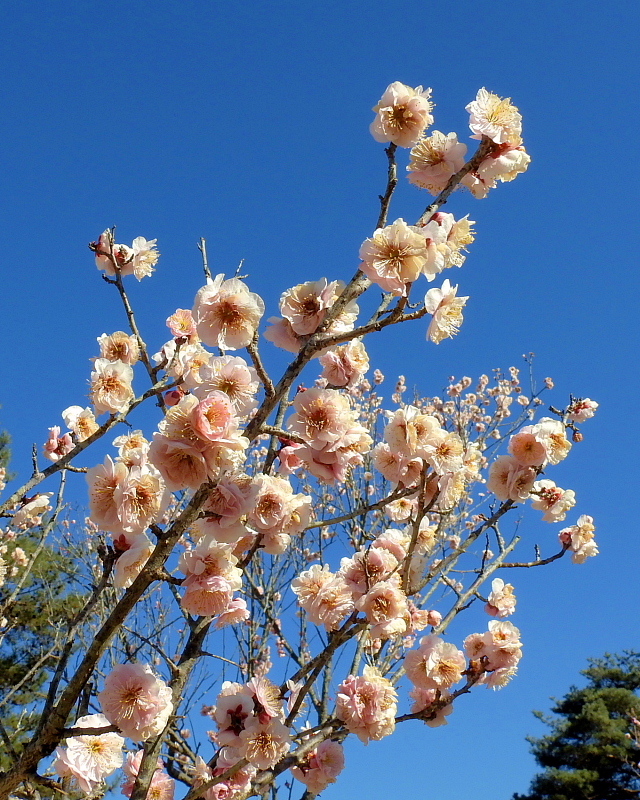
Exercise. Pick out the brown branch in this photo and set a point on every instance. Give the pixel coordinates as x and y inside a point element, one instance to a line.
<point>252,349</point>
<point>392,182</point>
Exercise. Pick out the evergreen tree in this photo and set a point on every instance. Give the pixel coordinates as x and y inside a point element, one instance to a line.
<point>590,753</point>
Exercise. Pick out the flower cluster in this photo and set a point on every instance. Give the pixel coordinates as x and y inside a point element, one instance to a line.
<point>367,705</point>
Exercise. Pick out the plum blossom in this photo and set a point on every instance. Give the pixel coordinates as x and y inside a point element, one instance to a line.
<point>90,759</point>
<point>119,346</point>
<point>131,562</point>
<point>138,260</point>
<point>510,480</point>
<point>325,597</point>
<point>402,114</point>
<point>231,375</point>
<point>495,118</point>
<point>304,308</point>
<point>56,446</point>
<point>31,510</point>
<point>394,256</point>
<point>436,664</point>
<point>111,389</point>
<point>182,324</point>
<point>495,654</point>
<point>137,701</point>
<point>278,513</point>
<point>367,705</point>
<point>263,745</point>
<point>434,159</point>
<point>554,501</point>
<point>502,600</point>
<point>321,766</point>
<point>580,540</point>
<point>145,256</point>
<point>80,421</point>
<point>385,606</point>
<point>446,309</point>
<point>429,702</point>
<point>226,313</point>
<point>305,305</point>
<point>162,787</point>
<point>346,364</point>
<point>581,410</point>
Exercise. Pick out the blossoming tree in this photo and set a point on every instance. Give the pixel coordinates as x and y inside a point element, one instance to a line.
<point>287,558</point>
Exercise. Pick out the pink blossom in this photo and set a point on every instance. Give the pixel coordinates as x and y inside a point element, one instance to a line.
<point>394,257</point>
<point>136,701</point>
<point>145,256</point>
<point>321,766</point>
<point>214,419</point>
<point>31,510</point>
<point>111,389</point>
<point>385,606</point>
<point>495,118</point>
<point>105,482</point>
<point>181,323</point>
<point>434,160</point>
<point>208,596</point>
<point>162,787</point>
<point>580,539</point>
<point>402,114</point>
<point>226,313</point>
<point>233,376</point>
<point>581,410</point>
<point>367,568</point>
<point>509,480</point>
<point>345,365</point>
<point>181,465</point>
<point>89,759</point>
<point>81,422</point>
<point>502,600</point>
<point>119,346</point>
<point>277,509</point>
<point>57,446</point>
<point>429,700</point>
<point>235,613</point>
<point>447,312</point>
<point>325,597</point>
<point>436,664</point>
<point>263,745</point>
<point>132,561</point>
<point>367,705</point>
<point>305,305</point>
<point>554,501</point>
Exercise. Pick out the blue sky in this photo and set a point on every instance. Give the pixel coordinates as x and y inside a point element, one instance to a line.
<point>247,123</point>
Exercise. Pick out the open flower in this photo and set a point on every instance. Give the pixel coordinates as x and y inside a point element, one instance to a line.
<point>495,118</point>
<point>90,759</point>
<point>226,313</point>
<point>136,701</point>
<point>434,159</point>
<point>402,114</point>
<point>111,389</point>
<point>80,421</point>
<point>394,256</point>
<point>447,311</point>
<point>367,705</point>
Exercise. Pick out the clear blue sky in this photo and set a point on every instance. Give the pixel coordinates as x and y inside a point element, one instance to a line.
<point>247,123</point>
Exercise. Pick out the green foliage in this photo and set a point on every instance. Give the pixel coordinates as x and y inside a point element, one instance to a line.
<point>589,754</point>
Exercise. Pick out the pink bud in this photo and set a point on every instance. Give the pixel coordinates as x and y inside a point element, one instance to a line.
<point>434,618</point>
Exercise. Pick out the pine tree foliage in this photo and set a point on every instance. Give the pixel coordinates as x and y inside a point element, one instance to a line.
<point>590,753</point>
